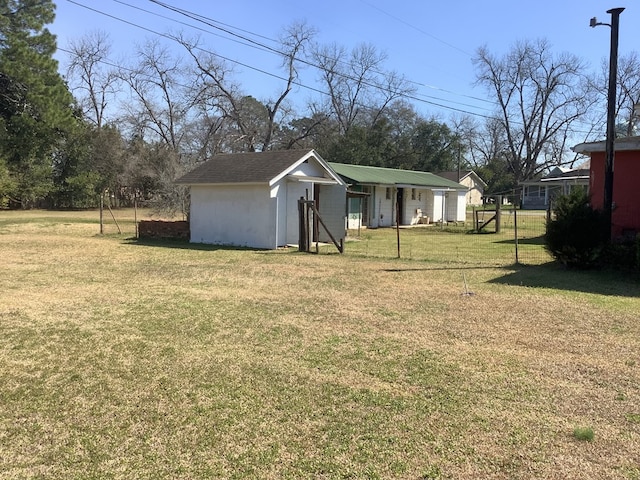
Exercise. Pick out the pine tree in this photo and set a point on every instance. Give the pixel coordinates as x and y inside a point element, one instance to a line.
<point>35,104</point>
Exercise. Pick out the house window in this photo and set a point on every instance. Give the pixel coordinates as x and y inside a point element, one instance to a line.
<point>413,194</point>
<point>388,193</point>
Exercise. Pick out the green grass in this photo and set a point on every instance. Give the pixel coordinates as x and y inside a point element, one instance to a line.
<point>125,359</point>
<point>457,244</point>
<point>584,434</point>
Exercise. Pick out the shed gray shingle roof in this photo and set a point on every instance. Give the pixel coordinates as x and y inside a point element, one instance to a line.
<point>250,167</point>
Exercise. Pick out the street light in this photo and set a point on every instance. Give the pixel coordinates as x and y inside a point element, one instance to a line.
<point>611,116</point>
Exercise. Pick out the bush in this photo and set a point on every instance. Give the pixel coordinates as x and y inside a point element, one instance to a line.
<point>622,254</point>
<point>576,236</point>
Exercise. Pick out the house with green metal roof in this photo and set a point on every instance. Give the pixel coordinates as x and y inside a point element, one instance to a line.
<point>381,196</point>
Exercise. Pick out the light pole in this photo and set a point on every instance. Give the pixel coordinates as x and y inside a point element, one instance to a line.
<point>611,117</point>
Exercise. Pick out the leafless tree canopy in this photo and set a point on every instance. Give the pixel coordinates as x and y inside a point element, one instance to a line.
<point>93,81</point>
<point>540,96</point>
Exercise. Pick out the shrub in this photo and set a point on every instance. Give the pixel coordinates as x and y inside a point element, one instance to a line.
<point>576,236</point>
<point>622,254</point>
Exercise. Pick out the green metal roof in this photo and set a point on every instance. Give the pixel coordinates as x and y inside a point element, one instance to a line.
<point>365,175</point>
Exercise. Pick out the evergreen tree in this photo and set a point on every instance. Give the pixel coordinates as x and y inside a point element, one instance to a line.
<point>35,104</point>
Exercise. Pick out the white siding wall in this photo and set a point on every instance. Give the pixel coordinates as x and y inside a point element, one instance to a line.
<point>455,206</point>
<point>384,207</point>
<point>462,207</point>
<point>279,193</point>
<point>412,205</point>
<point>474,195</point>
<point>233,215</point>
<point>451,206</point>
<point>436,207</point>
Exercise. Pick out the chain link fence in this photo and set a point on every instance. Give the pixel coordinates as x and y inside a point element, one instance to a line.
<point>486,238</point>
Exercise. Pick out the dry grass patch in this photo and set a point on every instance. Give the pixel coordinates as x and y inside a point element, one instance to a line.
<point>159,360</point>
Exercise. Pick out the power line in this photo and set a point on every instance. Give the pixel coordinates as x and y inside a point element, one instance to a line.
<point>384,12</point>
<point>213,23</point>
<point>208,20</point>
<point>274,51</point>
<point>261,46</point>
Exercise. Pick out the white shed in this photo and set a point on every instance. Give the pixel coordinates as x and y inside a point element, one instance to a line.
<point>251,199</point>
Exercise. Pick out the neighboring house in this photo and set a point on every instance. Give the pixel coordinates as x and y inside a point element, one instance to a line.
<point>625,215</point>
<point>536,194</point>
<point>251,199</point>
<point>419,197</point>
<point>470,179</point>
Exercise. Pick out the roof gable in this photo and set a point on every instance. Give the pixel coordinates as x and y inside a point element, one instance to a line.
<point>250,167</point>
<point>453,176</point>
<point>363,174</point>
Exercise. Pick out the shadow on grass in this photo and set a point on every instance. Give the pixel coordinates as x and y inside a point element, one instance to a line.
<point>554,275</point>
<point>206,247</point>
<point>539,240</point>
<point>433,269</point>
<point>184,245</point>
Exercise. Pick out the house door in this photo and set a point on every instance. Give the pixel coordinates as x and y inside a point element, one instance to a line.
<point>399,206</point>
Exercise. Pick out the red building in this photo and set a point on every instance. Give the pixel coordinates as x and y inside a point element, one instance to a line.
<point>625,216</point>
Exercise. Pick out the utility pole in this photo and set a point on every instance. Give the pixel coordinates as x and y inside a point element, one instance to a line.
<point>611,118</point>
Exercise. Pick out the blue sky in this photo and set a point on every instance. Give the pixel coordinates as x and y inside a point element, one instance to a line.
<point>430,43</point>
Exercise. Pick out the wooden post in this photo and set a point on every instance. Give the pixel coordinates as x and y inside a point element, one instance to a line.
<point>102,212</point>
<point>302,234</point>
<point>114,219</point>
<point>515,227</point>
<point>498,212</point>
<point>359,215</point>
<point>398,224</point>
<point>135,212</point>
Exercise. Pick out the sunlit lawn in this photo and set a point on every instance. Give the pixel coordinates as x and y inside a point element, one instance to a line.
<point>459,243</point>
<point>124,359</point>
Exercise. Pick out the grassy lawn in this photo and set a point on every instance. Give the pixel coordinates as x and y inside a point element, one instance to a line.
<point>121,359</point>
<point>459,244</point>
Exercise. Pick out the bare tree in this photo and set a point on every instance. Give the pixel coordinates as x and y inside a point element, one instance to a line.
<point>359,91</point>
<point>160,101</point>
<point>628,90</point>
<point>540,97</point>
<point>92,79</point>
<point>294,42</point>
<point>255,121</point>
<point>159,114</point>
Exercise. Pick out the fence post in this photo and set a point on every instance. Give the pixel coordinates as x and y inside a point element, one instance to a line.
<point>515,228</point>
<point>498,212</point>
<point>302,226</point>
